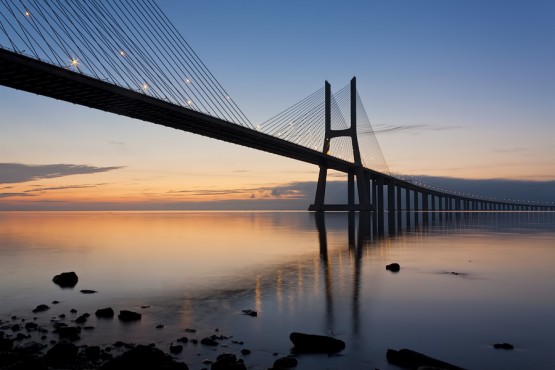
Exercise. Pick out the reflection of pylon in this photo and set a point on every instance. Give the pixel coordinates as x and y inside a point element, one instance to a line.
<point>355,170</point>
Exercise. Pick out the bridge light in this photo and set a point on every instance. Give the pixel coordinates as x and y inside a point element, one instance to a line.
<point>228,98</point>
<point>27,13</point>
<point>145,86</point>
<point>75,63</point>
<point>187,81</point>
<point>122,53</point>
<point>189,102</point>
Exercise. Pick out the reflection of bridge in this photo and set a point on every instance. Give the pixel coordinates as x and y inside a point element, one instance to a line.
<point>103,55</point>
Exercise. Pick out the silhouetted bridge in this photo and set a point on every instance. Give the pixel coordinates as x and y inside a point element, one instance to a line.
<point>100,54</point>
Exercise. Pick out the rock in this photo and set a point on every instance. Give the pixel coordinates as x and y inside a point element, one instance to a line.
<point>73,310</point>
<point>250,313</point>
<point>15,327</point>
<point>41,308</point>
<point>105,313</point>
<point>393,267</point>
<point>5,344</point>
<point>68,332</point>
<point>21,336</point>
<point>208,341</point>
<point>144,307</point>
<point>160,326</point>
<point>507,346</point>
<point>127,316</point>
<point>66,279</point>
<point>310,343</point>
<point>412,359</point>
<point>88,291</point>
<point>228,361</point>
<point>183,340</point>
<point>285,362</point>
<point>88,327</point>
<point>30,326</point>
<point>143,357</point>
<point>31,348</point>
<point>92,353</point>
<point>176,349</point>
<point>245,351</point>
<point>55,302</point>
<point>191,330</point>
<point>62,353</point>
<point>81,319</point>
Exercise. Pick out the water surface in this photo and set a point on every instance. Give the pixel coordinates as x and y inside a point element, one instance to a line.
<point>467,280</point>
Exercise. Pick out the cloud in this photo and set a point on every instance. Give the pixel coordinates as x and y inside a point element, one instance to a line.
<point>64,188</point>
<point>9,195</point>
<point>11,173</point>
<point>416,128</point>
<point>119,143</point>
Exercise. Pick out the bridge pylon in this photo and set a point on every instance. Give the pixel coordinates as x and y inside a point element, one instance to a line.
<point>356,171</point>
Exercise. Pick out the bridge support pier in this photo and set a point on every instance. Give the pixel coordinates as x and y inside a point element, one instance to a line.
<point>357,170</point>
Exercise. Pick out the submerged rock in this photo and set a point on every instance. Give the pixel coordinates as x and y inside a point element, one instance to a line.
<point>311,343</point>
<point>393,267</point>
<point>66,279</point>
<point>412,359</point>
<point>228,361</point>
<point>88,291</point>
<point>125,315</point>
<point>105,313</point>
<point>176,349</point>
<point>507,346</point>
<point>144,357</point>
<point>285,362</point>
<point>208,341</point>
<point>250,313</point>
<point>62,353</point>
<point>41,308</point>
<point>68,332</point>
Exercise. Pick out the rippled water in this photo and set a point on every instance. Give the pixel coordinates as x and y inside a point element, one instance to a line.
<point>467,280</point>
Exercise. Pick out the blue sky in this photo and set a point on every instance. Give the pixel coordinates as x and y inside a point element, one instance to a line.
<point>462,89</point>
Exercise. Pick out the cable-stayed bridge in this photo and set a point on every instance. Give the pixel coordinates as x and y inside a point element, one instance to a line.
<point>126,57</point>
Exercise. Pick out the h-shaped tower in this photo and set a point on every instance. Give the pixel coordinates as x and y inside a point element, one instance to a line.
<point>357,168</point>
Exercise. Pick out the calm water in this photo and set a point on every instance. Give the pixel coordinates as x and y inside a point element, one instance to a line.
<point>200,269</point>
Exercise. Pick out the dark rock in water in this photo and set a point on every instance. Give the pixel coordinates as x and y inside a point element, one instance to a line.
<point>144,307</point>
<point>5,344</point>
<point>191,330</point>
<point>127,316</point>
<point>31,326</point>
<point>503,346</point>
<point>88,327</point>
<point>68,332</point>
<point>228,361</point>
<point>393,267</point>
<point>92,353</point>
<point>88,291</point>
<point>176,349</point>
<point>21,336</point>
<point>412,359</point>
<point>81,319</point>
<point>62,353</point>
<point>31,348</point>
<point>183,340</point>
<point>73,310</point>
<point>62,316</point>
<point>21,361</point>
<point>55,302</point>
<point>194,341</point>
<point>41,308</point>
<point>245,351</point>
<point>66,279</point>
<point>15,327</point>
<point>310,343</point>
<point>208,341</point>
<point>250,313</point>
<point>59,325</point>
<point>119,344</point>
<point>285,362</point>
<point>105,313</point>
<point>160,326</point>
<point>144,357</point>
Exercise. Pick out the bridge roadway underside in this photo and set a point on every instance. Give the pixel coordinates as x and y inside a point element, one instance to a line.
<point>28,74</point>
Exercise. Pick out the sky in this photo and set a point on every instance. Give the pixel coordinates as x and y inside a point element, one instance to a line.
<point>458,89</point>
